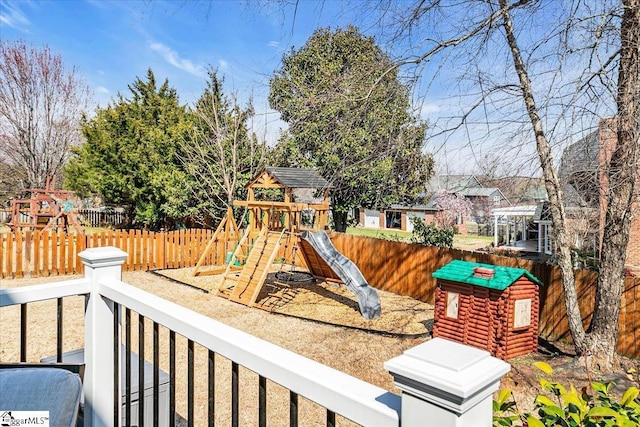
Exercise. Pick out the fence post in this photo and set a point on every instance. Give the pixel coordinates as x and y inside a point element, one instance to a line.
<point>446,384</point>
<point>99,264</point>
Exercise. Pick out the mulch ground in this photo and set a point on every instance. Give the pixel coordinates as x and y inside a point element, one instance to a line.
<point>401,316</point>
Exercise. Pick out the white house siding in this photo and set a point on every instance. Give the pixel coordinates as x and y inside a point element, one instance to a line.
<point>371,219</point>
<point>413,215</point>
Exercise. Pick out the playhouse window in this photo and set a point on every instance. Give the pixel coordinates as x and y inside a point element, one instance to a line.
<point>522,313</point>
<point>453,301</point>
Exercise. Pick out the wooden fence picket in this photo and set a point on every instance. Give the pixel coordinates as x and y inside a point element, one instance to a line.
<point>19,272</point>
<point>3,270</point>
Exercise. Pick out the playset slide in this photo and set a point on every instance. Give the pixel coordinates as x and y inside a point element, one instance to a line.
<point>347,271</point>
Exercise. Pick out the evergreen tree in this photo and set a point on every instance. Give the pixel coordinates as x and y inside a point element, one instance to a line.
<point>348,116</point>
<point>130,157</point>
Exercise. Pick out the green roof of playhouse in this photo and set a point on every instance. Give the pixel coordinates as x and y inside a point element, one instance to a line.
<point>463,271</point>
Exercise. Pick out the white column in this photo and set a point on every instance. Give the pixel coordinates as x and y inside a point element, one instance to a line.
<point>446,384</point>
<point>495,231</point>
<point>99,264</point>
<point>540,237</point>
<point>508,234</point>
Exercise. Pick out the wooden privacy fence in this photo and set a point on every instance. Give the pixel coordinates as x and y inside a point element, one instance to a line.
<point>49,253</point>
<point>406,269</point>
<point>401,268</point>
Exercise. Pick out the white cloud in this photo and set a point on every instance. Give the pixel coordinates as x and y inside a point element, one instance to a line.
<point>173,58</point>
<point>223,65</point>
<point>13,17</point>
<point>102,89</point>
<point>274,44</point>
<point>427,109</point>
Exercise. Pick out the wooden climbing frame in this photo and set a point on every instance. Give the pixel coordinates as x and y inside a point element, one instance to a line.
<point>271,230</point>
<point>46,208</point>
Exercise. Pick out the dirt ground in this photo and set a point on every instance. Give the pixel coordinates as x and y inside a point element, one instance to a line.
<point>320,322</point>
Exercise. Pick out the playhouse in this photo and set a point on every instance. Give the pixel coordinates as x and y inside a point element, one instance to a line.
<point>491,307</point>
<point>287,224</point>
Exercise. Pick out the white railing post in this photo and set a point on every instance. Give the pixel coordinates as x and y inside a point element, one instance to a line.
<point>446,384</point>
<point>99,264</point>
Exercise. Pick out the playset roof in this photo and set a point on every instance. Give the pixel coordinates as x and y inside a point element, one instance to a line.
<point>463,272</point>
<point>294,177</point>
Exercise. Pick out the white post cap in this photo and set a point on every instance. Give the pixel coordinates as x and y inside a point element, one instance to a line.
<point>448,374</point>
<point>106,256</point>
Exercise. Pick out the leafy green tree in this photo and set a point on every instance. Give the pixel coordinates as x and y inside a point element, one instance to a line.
<point>348,116</point>
<point>130,156</point>
<point>222,154</point>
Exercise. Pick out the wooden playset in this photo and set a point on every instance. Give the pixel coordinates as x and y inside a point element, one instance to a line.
<point>46,208</point>
<point>489,307</point>
<point>273,231</point>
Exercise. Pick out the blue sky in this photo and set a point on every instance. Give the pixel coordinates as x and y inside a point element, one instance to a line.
<point>112,42</point>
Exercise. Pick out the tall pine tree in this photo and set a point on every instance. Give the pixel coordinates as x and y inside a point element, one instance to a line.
<point>130,157</point>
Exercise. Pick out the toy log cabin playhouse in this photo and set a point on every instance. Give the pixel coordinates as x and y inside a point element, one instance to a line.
<point>488,306</point>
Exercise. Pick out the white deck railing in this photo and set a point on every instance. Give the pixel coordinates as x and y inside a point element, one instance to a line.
<point>445,383</point>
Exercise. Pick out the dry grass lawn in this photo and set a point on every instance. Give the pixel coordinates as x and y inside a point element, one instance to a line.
<point>319,322</point>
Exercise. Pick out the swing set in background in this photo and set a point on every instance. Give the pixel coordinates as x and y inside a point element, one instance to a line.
<point>46,209</point>
<point>290,231</point>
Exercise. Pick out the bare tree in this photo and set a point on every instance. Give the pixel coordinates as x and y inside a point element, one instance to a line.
<point>222,154</point>
<point>41,104</point>
<point>564,60</point>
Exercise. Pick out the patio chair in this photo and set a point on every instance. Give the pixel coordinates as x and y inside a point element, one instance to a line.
<point>55,388</point>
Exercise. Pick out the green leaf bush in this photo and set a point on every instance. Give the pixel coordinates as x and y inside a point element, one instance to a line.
<point>431,234</point>
<point>568,407</point>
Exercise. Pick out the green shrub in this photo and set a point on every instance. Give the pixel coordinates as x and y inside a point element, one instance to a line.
<point>431,234</point>
<point>589,407</point>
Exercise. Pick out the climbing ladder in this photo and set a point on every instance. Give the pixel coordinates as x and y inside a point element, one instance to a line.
<point>244,287</point>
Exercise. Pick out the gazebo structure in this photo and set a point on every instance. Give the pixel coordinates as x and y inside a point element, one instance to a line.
<point>516,222</point>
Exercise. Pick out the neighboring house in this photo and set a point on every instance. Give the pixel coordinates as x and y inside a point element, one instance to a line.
<point>585,186</point>
<point>483,200</point>
<point>585,183</point>
<point>519,190</point>
<point>397,216</point>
